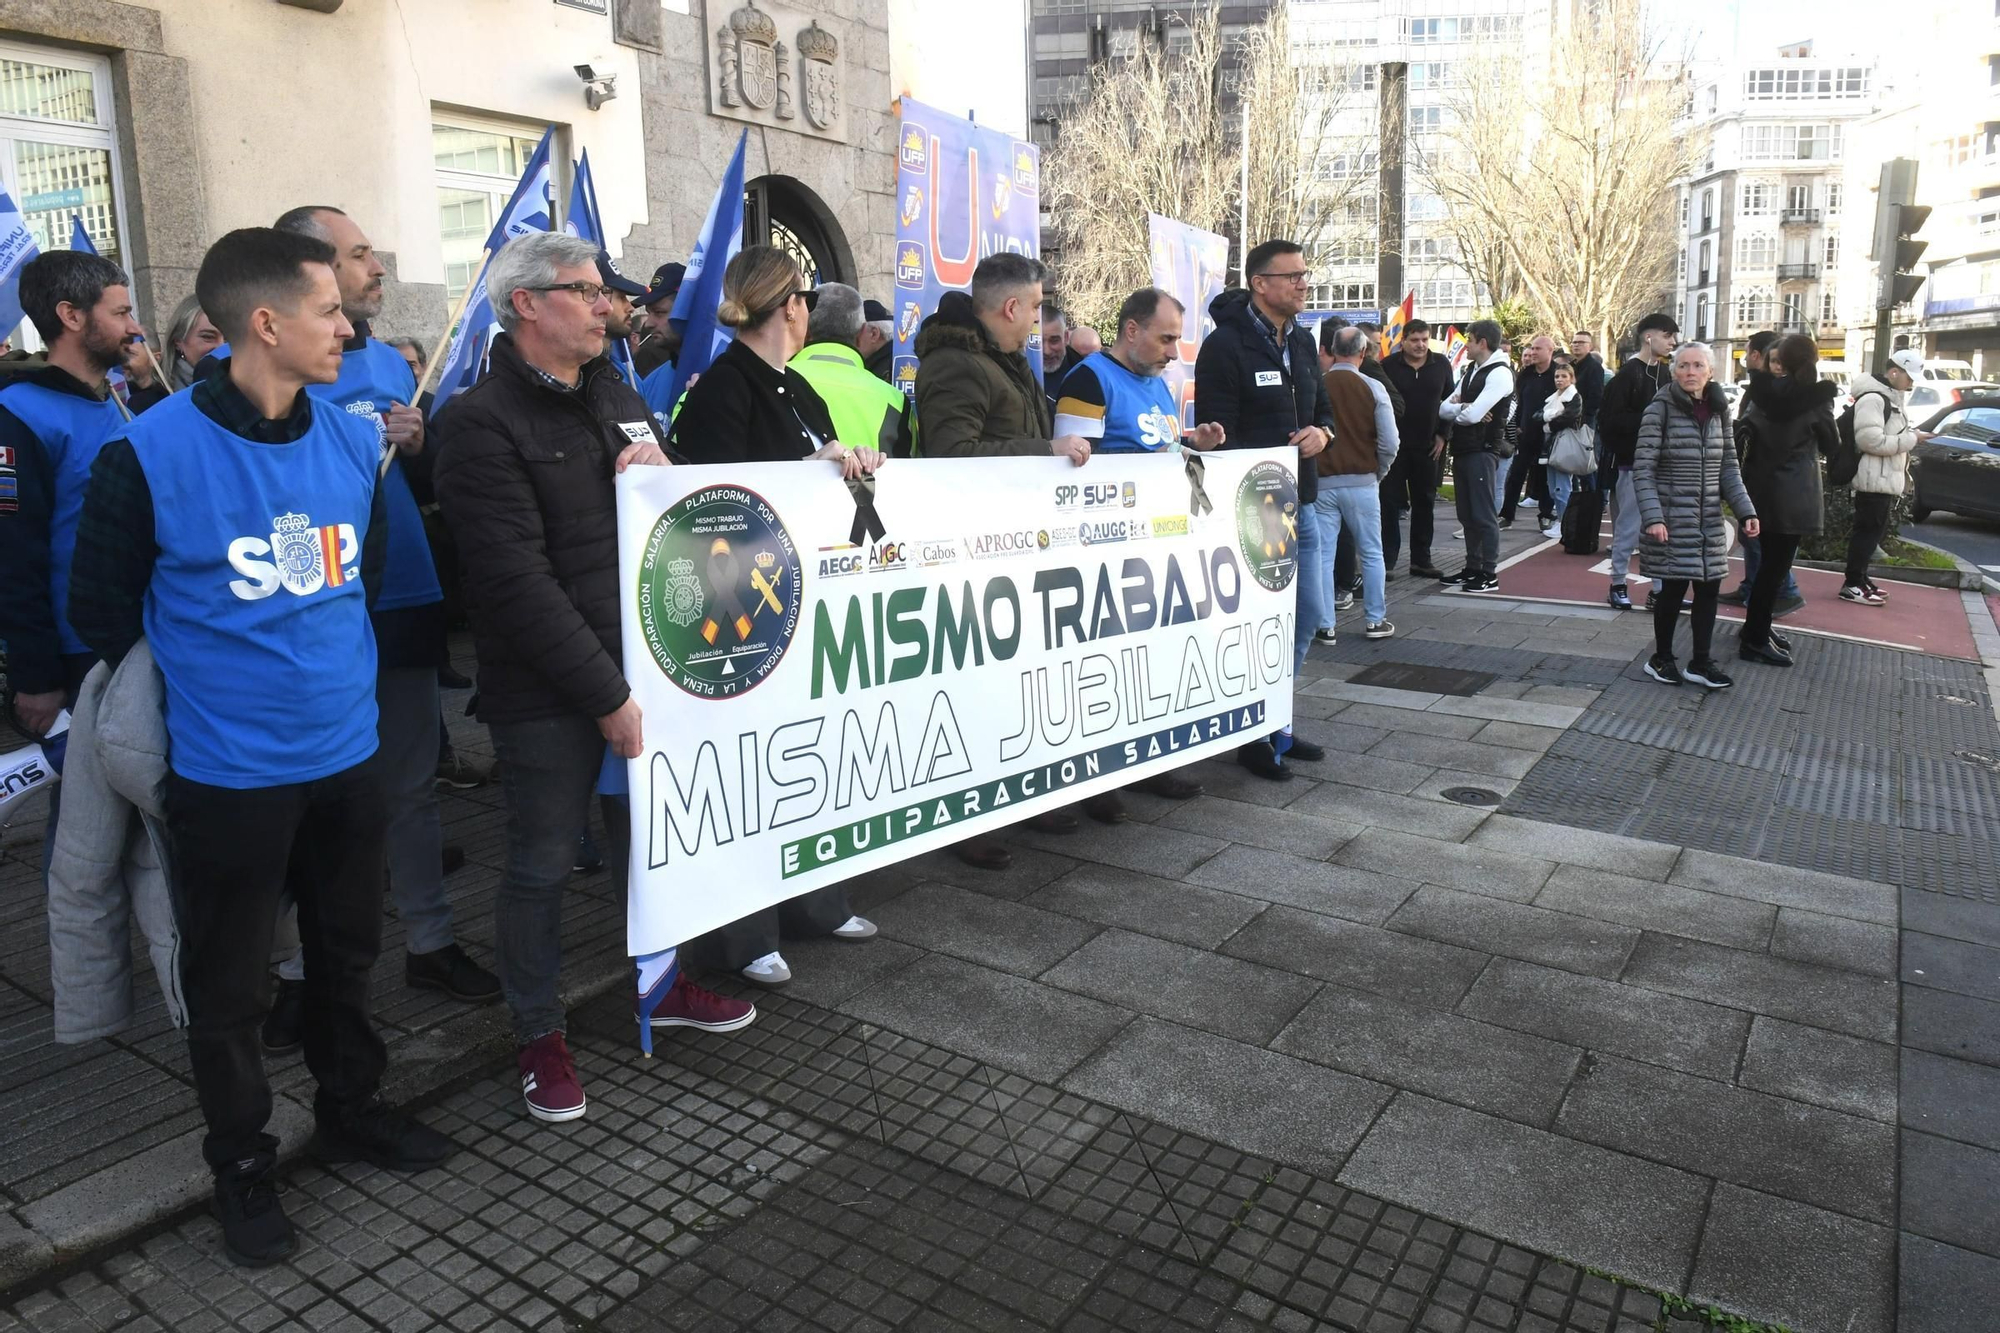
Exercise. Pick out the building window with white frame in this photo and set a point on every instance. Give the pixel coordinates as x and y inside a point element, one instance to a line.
<point>58,147</point>
<point>1756,253</point>
<point>478,164</point>
<point>1757,199</point>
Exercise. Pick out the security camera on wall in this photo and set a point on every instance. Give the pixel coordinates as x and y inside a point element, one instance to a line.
<point>597,88</point>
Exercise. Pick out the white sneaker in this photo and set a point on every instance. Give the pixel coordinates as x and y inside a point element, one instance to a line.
<point>770,970</point>
<point>855,928</point>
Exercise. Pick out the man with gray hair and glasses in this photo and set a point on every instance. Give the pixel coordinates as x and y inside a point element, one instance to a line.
<point>525,465</point>
<point>866,411</point>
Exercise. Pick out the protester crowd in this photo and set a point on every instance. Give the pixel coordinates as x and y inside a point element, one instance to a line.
<point>237,572</point>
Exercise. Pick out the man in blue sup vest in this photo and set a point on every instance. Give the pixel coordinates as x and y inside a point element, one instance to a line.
<point>239,528</point>
<point>1118,399</point>
<point>376,386</point>
<point>53,420</point>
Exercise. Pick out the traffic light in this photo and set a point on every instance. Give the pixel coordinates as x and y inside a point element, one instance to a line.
<point>1897,221</point>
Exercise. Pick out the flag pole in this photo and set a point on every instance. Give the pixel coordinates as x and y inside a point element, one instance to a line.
<point>436,358</point>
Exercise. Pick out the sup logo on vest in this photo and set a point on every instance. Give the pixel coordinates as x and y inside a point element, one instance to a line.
<point>719,592</point>
<point>365,407</point>
<point>1267,524</point>
<point>298,557</point>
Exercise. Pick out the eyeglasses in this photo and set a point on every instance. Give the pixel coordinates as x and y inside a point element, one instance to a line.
<point>810,295</point>
<point>589,291</point>
<point>1299,277</point>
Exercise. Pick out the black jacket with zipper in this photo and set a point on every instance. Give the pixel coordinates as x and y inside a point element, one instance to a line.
<point>524,475</point>
<point>1626,398</point>
<point>745,410</point>
<point>1242,383</point>
<point>1787,424</point>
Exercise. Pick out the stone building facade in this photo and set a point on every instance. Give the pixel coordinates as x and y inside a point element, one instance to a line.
<point>165,123</point>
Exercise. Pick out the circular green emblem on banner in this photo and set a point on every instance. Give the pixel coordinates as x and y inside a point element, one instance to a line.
<point>719,591</point>
<point>1267,524</point>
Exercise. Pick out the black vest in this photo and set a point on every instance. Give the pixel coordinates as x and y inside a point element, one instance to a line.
<point>1469,437</point>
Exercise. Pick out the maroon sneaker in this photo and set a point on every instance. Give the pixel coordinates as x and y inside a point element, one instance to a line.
<point>686,1005</point>
<point>548,1079</point>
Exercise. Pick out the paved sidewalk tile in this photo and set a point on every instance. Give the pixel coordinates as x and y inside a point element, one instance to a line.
<point>1162,907</point>
<point>1367,958</point>
<point>1945,1289</point>
<point>1548,1192</point>
<point>1032,1029</point>
<point>1423,722</point>
<point>1134,846</point>
<point>1467,756</point>
<point>995,933</point>
<point>1661,1029</point>
<point>1031,869</point>
<point>1381,809</point>
<point>1793,1264</point>
<point>1356,895</point>
<point>1261,1101</point>
<point>1835,941</point>
<point>1434,787</point>
<point>1953,965</point>
<point>1950,917</point>
<point>1948,1024</point>
<point>1825,1068</point>
<point>1227,996</point>
<point>1788,886</point>
<point>1520,735</point>
<point>1955,1099</point>
<point>1472,869</point>
<point>1296,830</point>
<point>1368,772</point>
<point>1842,1001</point>
<point>1951,1192</point>
<point>1578,847</point>
<point>1461,1060</point>
<point>1769,1143</point>
<point>1666,908</point>
<point>1516,930</point>
<point>1510,710</point>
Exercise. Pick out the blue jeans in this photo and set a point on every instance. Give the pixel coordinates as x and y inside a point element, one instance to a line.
<point>1559,489</point>
<point>1332,555</point>
<point>1357,510</point>
<point>548,770</point>
<point>1314,605</point>
<point>1753,557</point>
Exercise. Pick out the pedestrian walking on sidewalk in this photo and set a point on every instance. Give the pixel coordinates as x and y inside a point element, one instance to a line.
<point>1624,406</point>
<point>1472,419</point>
<point>1683,470</point>
<point>1884,438</point>
<point>1791,425</point>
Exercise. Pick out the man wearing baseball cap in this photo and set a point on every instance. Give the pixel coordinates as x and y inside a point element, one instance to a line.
<point>659,343</point>
<point>878,340</point>
<point>624,294</point>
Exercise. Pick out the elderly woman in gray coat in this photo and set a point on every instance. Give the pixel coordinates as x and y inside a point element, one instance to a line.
<point>1682,474</point>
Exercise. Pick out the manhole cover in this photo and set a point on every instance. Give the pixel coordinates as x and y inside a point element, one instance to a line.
<point>1960,700</point>
<point>1979,757</point>
<point>1428,679</point>
<point>1471,795</point>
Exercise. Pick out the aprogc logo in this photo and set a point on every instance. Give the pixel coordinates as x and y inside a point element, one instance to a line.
<point>990,544</point>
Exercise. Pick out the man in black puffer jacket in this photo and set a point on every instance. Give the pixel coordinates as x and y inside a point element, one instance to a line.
<point>1638,381</point>
<point>1258,378</point>
<point>524,473</point>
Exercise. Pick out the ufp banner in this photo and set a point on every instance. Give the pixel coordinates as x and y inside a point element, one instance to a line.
<point>833,681</point>
<point>1191,264</point>
<point>963,192</point>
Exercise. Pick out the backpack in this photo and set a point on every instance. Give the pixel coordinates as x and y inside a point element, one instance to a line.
<point>1845,460</point>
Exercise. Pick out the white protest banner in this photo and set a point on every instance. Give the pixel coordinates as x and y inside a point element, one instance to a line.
<point>832,681</point>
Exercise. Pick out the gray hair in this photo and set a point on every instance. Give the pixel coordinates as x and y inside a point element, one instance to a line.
<point>836,317</point>
<point>304,221</point>
<point>1350,341</point>
<point>399,344</point>
<point>1706,355</point>
<point>531,261</point>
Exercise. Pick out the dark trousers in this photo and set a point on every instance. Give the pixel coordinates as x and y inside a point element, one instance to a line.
<point>749,938</point>
<point>1779,550</point>
<point>1527,473</point>
<point>1408,487</point>
<point>234,852</point>
<point>1871,521</point>
<point>1472,478</point>
<point>1346,564</point>
<point>1667,614</point>
<point>548,771</point>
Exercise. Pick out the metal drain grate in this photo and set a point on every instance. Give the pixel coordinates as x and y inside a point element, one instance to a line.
<point>1425,678</point>
<point>1471,795</point>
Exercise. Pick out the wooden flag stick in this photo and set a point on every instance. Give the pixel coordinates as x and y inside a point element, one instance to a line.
<point>438,350</point>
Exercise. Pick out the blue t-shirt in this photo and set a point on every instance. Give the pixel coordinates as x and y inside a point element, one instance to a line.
<point>256,613</point>
<point>72,430</point>
<point>372,377</point>
<point>1117,411</point>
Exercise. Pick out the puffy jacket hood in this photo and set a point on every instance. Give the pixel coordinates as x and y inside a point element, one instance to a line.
<point>1232,306</point>
<point>955,324</point>
<point>1783,397</point>
<point>1866,383</point>
<point>1684,401</point>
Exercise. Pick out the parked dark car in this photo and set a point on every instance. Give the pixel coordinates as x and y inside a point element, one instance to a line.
<point>1957,461</point>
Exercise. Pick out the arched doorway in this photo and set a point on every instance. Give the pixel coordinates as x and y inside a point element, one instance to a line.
<point>780,211</point>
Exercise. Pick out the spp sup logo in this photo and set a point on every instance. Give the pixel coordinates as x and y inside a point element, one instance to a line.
<point>914,152</point>
<point>1096,495</point>
<point>719,592</point>
<point>910,264</point>
<point>299,557</point>
<point>1267,524</point>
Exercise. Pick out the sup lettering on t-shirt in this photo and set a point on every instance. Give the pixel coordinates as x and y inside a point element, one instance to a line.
<point>639,432</point>
<point>1269,379</point>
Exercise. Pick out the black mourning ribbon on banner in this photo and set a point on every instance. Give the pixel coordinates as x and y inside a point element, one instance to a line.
<point>1197,475</point>
<point>867,522</point>
<point>722,575</point>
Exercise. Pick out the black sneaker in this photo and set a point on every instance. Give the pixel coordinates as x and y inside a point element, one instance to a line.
<point>1652,599</point>
<point>1663,669</point>
<point>378,1133</point>
<point>1261,759</point>
<point>284,1026</point>
<point>588,859</point>
<point>1324,635</point>
<point>1703,671</point>
<point>1620,598</point>
<point>1736,596</point>
<point>452,971</point>
<point>1306,751</point>
<point>255,1231</point>
<point>1458,576</point>
<point>1171,786</point>
<point>1483,583</point>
